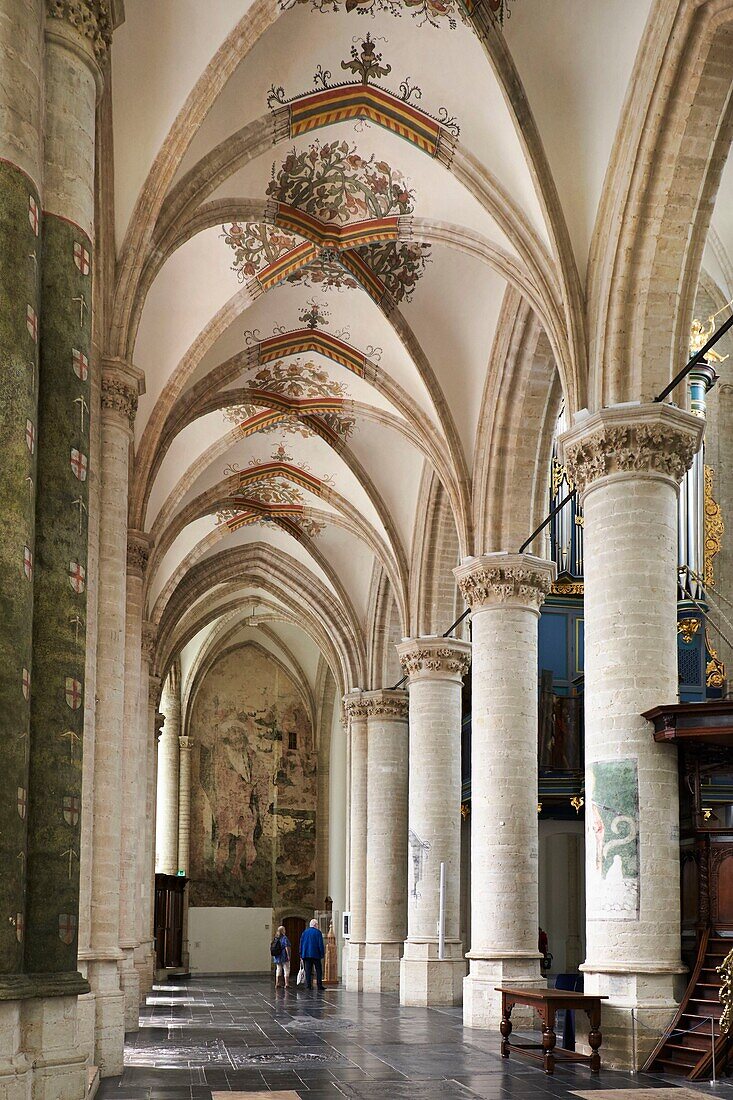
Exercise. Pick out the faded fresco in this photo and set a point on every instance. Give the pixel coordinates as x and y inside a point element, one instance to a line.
<point>253,787</point>
<point>613,861</point>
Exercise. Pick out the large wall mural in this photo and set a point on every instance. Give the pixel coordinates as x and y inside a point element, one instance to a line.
<point>254,789</point>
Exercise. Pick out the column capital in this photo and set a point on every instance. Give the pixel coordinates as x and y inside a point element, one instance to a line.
<point>433,657</point>
<point>354,705</point>
<point>91,19</point>
<point>139,546</point>
<point>122,384</point>
<point>387,703</point>
<point>159,722</point>
<point>516,580</point>
<point>185,742</point>
<point>154,689</point>
<point>150,637</point>
<point>652,440</point>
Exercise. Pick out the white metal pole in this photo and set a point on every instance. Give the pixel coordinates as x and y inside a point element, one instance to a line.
<point>441,914</point>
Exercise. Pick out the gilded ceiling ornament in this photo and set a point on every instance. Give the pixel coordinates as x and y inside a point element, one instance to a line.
<point>714,527</point>
<point>91,18</point>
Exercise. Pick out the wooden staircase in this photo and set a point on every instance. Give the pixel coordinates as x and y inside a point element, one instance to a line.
<point>685,1048</point>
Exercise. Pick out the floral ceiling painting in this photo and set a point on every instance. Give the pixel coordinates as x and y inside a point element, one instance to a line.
<point>334,185</point>
<point>254,790</point>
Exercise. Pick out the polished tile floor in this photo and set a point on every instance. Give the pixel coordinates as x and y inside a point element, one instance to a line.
<point>224,1034</point>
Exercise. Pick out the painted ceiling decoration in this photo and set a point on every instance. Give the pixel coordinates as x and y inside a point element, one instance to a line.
<point>297,388</point>
<point>434,13</point>
<point>362,101</point>
<point>270,493</point>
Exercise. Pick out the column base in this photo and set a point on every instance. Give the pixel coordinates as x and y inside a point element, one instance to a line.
<point>381,967</point>
<point>481,1002</point>
<point>145,966</point>
<point>15,1069</point>
<point>354,966</point>
<point>50,1041</point>
<point>130,986</point>
<point>651,997</point>
<point>427,980</point>
<point>109,1026</point>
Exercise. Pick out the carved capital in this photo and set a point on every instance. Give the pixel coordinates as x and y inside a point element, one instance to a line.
<point>122,384</point>
<point>387,704</point>
<point>434,658</point>
<point>92,19</point>
<point>154,689</point>
<point>645,440</point>
<point>150,635</point>
<point>519,580</point>
<point>354,706</point>
<point>185,743</point>
<point>159,722</point>
<point>138,552</point>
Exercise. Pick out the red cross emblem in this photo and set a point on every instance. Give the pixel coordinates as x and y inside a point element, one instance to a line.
<point>73,692</point>
<point>27,562</point>
<point>82,258</point>
<point>67,927</point>
<point>78,464</point>
<point>19,927</point>
<point>77,576</point>
<point>30,436</point>
<point>31,321</point>
<point>33,214</point>
<point>80,363</point>
<point>26,683</point>
<point>22,802</point>
<point>71,806</point>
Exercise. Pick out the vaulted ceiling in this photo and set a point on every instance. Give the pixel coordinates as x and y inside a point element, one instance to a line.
<point>338,225</point>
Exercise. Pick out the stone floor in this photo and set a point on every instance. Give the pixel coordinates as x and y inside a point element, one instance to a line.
<point>217,1036</point>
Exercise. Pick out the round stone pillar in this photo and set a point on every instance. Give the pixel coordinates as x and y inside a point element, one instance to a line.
<point>627,462</point>
<point>356,716</point>
<point>149,684</point>
<point>133,777</point>
<point>386,892</point>
<point>435,667</point>
<point>185,745</point>
<point>121,384</point>
<point>504,592</point>
<point>166,835</point>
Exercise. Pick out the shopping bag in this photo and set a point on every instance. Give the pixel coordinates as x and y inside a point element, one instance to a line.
<point>301,974</point>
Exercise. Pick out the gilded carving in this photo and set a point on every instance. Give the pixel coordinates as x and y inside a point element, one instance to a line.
<point>714,527</point>
<point>91,18</point>
<point>688,628</point>
<point>714,669</point>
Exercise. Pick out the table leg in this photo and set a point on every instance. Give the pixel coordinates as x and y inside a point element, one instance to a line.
<point>548,1041</point>
<point>505,1027</point>
<point>594,1039</point>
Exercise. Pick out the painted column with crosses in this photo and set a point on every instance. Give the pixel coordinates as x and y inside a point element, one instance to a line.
<point>20,224</point>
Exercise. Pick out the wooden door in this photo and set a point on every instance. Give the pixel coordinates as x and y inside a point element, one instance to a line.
<point>294,929</point>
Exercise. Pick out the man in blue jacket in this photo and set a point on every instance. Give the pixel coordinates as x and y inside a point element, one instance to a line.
<point>312,951</point>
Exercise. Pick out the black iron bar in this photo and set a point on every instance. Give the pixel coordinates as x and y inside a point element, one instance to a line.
<point>547,519</point>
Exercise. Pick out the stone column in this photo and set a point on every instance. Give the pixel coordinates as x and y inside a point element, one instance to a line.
<point>184,801</point>
<point>356,716</point>
<point>166,836</point>
<point>149,684</point>
<point>120,388</point>
<point>627,462</point>
<point>386,893</point>
<point>133,777</point>
<point>435,667</point>
<point>21,172</point>
<point>504,592</point>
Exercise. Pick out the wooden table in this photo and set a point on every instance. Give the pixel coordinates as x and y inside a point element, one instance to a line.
<point>547,1002</point>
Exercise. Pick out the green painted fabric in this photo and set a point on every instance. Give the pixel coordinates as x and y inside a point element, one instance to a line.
<point>59,626</point>
<point>19,308</point>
